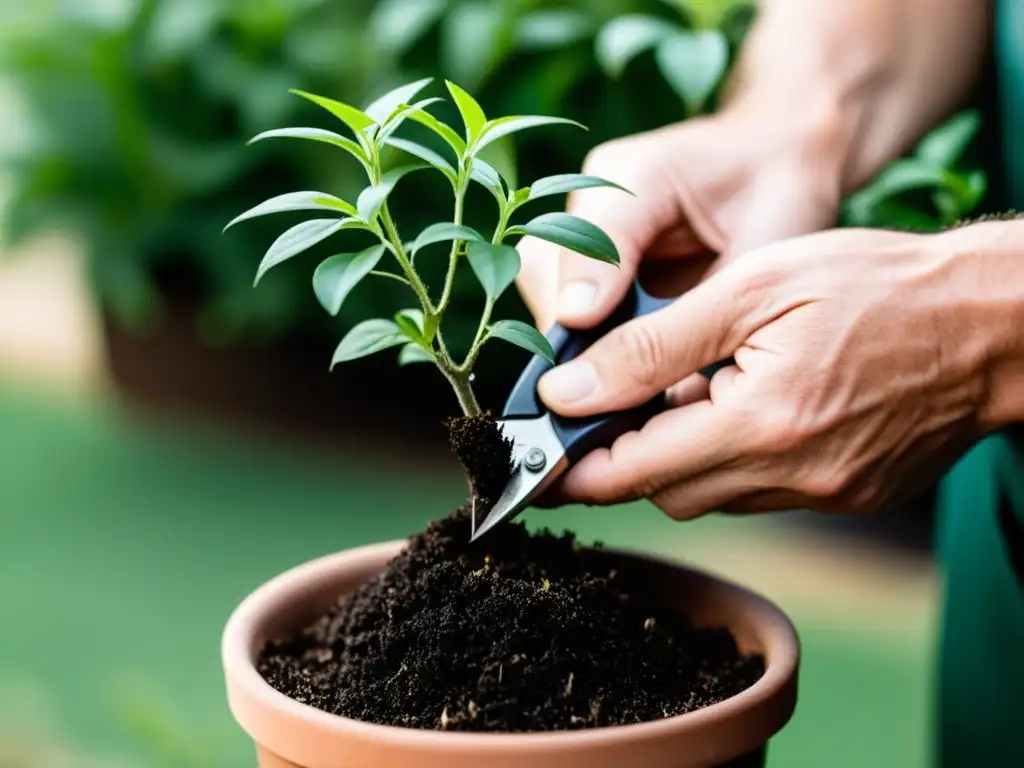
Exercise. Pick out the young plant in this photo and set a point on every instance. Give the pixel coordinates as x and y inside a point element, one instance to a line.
<point>418,330</point>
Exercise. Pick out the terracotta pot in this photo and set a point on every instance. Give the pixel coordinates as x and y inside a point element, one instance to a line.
<point>293,735</point>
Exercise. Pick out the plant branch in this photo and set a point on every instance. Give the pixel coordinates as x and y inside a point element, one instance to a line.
<point>453,256</point>
<point>399,250</point>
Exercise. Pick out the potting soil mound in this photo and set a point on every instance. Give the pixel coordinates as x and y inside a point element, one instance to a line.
<point>516,632</point>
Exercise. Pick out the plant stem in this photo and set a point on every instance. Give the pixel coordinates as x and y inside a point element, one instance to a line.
<point>453,256</point>
<point>403,260</point>
<point>463,391</point>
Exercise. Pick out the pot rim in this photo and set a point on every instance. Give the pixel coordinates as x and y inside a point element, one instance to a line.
<point>238,652</point>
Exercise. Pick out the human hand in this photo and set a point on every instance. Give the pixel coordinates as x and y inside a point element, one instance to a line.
<point>744,177</point>
<point>860,376</point>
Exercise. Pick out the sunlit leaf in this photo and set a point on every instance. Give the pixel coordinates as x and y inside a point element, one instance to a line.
<point>568,182</point>
<point>504,126</point>
<point>473,116</point>
<point>495,266</point>
<point>523,335</point>
<point>298,239</point>
<point>571,232</point>
<point>424,153</point>
<point>623,39</point>
<point>414,353</point>
<point>384,106</point>
<point>355,119</point>
<point>944,145</point>
<point>444,232</point>
<point>445,132</point>
<point>337,275</point>
<point>372,198</point>
<point>315,134</point>
<point>487,177</point>
<point>394,121</point>
<point>367,338</point>
<point>693,63</point>
<point>296,201</point>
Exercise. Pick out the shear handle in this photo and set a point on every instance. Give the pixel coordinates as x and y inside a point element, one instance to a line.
<point>579,436</point>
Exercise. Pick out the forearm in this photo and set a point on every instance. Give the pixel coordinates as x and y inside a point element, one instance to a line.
<point>985,310</point>
<point>867,76</point>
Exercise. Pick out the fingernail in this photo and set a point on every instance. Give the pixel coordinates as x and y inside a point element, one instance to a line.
<point>577,298</point>
<point>570,383</point>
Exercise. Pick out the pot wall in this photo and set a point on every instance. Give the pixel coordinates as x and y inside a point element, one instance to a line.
<point>292,735</point>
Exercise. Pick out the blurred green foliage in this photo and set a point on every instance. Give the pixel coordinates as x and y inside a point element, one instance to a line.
<point>134,116</point>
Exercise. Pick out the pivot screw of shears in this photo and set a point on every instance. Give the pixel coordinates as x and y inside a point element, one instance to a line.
<point>535,460</point>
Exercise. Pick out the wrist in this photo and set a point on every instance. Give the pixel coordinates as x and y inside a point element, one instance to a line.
<point>988,278</point>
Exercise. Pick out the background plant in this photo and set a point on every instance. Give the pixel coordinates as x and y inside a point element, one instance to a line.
<point>495,263</point>
<point>131,110</point>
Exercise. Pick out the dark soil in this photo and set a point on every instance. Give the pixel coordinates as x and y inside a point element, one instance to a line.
<point>516,632</point>
<point>485,455</point>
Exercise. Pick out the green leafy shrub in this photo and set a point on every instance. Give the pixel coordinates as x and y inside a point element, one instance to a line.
<point>418,330</point>
<point>133,110</point>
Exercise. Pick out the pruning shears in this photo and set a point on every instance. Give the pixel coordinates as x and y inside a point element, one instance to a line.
<point>547,444</point>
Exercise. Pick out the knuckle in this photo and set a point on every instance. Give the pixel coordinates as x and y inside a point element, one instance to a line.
<point>824,483</point>
<point>640,354</point>
<point>777,429</point>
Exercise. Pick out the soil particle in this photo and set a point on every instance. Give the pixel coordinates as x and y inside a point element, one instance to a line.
<point>518,632</point>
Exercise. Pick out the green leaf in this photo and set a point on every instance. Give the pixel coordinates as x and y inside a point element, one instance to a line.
<point>902,176</point>
<point>944,145</point>
<point>413,325</point>
<point>298,239</point>
<point>426,154</point>
<point>414,353</point>
<point>367,338</point>
<point>357,120</point>
<point>495,266</point>
<point>693,63</point>
<point>489,178</point>
<point>555,28</point>
<point>384,107</point>
<point>395,121</point>
<point>571,232</point>
<point>444,232</point>
<point>977,184</point>
<point>445,132</point>
<point>337,275</point>
<point>396,25</point>
<point>473,116</point>
<point>296,201</point>
<point>315,134</point>
<point>501,156</point>
<point>623,39</point>
<point>504,126</point>
<point>523,335</point>
<point>372,198</point>
<point>568,182</point>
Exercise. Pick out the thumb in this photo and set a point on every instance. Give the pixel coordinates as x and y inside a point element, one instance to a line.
<point>589,290</point>
<point>644,357</point>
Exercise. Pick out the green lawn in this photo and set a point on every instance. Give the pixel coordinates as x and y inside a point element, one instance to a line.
<point>125,544</point>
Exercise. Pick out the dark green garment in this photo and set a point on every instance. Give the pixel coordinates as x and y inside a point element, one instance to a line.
<point>981,533</point>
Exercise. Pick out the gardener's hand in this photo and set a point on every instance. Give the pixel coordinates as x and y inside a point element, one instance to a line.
<point>723,184</point>
<point>865,364</point>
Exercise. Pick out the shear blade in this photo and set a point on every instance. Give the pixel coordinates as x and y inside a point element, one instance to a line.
<point>525,485</point>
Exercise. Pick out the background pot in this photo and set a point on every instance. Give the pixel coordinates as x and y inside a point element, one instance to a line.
<point>293,735</point>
